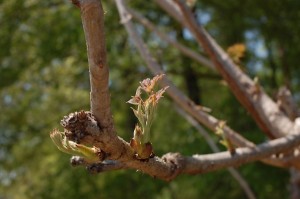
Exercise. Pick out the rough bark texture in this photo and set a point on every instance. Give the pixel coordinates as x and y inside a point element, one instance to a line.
<point>93,25</point>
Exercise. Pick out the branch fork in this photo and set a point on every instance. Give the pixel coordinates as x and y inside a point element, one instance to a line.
<point>91,134</point>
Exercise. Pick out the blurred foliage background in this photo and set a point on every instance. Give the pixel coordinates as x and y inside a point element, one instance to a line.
<point>44,76</point>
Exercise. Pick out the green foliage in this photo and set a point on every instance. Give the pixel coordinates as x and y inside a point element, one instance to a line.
<point>44,75</point>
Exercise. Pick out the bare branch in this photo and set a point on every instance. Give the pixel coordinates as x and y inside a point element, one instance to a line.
<point>93,25</point>
<point>265,112</point>
<point>208,138</point>
<point>185,50</point>
<point>216,161</point>
<point>172,9</point>
<point>244,184</point>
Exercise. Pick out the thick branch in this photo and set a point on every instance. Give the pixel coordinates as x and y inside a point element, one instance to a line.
<point>93,25</point>
<point>83,128</point>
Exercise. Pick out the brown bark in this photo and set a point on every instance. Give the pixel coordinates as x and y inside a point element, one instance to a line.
<point>83,128</point>
<point>93,25</point>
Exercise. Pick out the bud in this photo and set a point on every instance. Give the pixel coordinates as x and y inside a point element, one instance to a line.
<point>90,154</point>
<point>145,113</point>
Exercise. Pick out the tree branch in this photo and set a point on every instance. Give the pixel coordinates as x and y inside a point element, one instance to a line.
<point>172,165</point>
<point>172,9</point>
<point>93,25</point>
<point>212,162</point>
<point>185,50</point>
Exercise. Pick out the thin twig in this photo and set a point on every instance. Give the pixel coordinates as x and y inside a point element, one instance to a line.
<point>244,184</point>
